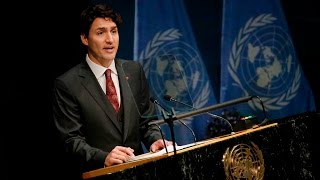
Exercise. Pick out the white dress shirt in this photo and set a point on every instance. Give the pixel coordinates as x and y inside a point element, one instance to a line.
<point>99,71</point>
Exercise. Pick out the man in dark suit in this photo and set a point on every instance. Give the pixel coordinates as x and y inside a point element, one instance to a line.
<point>92,131</point>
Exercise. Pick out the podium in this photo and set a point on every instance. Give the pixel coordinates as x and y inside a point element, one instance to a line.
<point>286,148</point>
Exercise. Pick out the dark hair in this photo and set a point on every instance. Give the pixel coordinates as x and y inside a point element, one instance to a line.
<point>94,11</point>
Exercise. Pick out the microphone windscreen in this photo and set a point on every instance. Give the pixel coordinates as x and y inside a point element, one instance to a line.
<point>152,99</point>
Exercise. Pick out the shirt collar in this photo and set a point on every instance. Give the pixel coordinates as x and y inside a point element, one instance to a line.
<point>99,70</point>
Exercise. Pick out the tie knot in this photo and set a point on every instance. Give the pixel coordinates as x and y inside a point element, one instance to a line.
<point>108,72</point>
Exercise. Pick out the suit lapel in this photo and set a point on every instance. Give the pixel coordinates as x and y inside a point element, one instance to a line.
<point>127,100</point>
<point>91,84</point>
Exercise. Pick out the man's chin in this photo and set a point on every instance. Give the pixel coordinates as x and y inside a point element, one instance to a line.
<point>110,57</point>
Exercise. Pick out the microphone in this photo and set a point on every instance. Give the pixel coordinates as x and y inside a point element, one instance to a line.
<point>168,118</point>
<point>156,102</point>
<point>169,98</point>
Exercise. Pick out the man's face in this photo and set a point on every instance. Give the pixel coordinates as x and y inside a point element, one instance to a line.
<point>102,41</point>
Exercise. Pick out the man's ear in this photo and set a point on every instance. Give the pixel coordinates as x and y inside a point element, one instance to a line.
<point>84,39</point>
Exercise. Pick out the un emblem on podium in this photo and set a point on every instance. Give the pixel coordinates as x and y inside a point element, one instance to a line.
<point>243,161</point>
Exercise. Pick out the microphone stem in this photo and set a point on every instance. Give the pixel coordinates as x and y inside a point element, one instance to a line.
<point>194,136</point>
<point>210,114</point>
<point>182,103</point>
<point>170,123</point>
<point>265,120</point>
<point>167,118</point>
<point>221,118</point>
<point>162,136</point>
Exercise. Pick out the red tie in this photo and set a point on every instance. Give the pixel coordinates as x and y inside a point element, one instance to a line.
<point>111,91</point>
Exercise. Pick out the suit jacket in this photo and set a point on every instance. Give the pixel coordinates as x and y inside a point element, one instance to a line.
<point>85,119</point>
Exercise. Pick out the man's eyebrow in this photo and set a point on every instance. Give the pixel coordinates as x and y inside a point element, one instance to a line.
<point>105,28</point>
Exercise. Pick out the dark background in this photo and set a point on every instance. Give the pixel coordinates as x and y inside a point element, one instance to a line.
<point>41,41</point>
